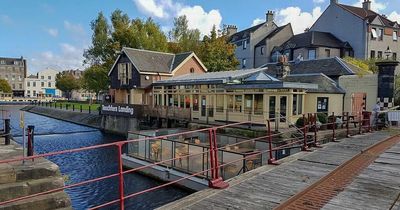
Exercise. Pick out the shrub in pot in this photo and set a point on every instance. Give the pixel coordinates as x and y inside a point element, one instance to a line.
<point>300,122</point>
<point>323,119</point>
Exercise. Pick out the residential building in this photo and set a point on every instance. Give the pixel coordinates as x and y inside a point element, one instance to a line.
<point>254,44</point>
<point>135,70</point>
<point>42,84</point>
<point>14,71</point>
<point>367,32</point>
<point>312,45</point>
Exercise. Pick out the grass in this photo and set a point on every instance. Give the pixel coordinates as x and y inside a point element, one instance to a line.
<point>85,106</point>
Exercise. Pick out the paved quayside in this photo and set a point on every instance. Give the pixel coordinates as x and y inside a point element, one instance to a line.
<point>269,186</point>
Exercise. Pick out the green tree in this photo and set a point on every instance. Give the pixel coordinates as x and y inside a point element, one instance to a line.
<point>67,83</point>
<point>4,86</point>
<point>217,53</point>
<point>186,39</point>
<point>95,79</point>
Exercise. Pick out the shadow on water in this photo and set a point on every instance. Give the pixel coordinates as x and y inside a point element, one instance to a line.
<point>56,135</point>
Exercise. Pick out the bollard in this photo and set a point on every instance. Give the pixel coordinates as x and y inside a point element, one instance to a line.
<point>305,146</point>
<point>73,107</point>
<point>81,107</point>
<point>360,123</point>
<point>333,127</point>
<point>7,131</point>
<point>31,142</point>
<point>89,109</point>
<point>66,106</point>
<point>60,106</point>
<point>347,125</point>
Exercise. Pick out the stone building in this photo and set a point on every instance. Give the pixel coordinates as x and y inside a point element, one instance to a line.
<point>14,70</point>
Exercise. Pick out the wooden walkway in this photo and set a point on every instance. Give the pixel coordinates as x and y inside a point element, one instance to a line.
<point>269,186</point>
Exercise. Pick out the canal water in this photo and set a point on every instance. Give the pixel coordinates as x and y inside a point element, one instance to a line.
<point>55,135</point>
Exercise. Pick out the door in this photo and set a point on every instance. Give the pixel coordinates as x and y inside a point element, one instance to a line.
<point>203,106</point>
<point>358,103</point>
<point>283,108</point>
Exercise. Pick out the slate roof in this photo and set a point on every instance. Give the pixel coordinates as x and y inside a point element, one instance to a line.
<point>152,61</point>
<point>314,39</point>
<point>10,61</point>
<point>325,84</point>
<point>367,14</point>
<point>245,33</point>
<point>273,33</point>
<point>331,67</point>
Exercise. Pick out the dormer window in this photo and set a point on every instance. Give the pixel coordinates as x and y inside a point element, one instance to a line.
<point>395,35</point>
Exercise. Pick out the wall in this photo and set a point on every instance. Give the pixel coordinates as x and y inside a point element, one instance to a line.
<point>335,103</point>
<point>115,83</point>
<point>185,68</point>
<point>320,52</point>
<point>345,26</point>
<point>354,84</point>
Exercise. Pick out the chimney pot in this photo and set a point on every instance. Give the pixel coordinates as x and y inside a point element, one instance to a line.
<point>334,1</point>
<point>269,17</point>
<point>367,4</point>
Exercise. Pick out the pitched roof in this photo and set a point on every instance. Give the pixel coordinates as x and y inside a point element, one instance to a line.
<point>329,66</point>
<point>10,61</point>
<point>273,33</point>
<point>155,62</point>
<point>314,39</point>
<point>367,14</point>
<point>325,84</point>
<point>244,33</point>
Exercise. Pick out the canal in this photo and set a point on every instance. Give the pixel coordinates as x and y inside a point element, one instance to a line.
<point>55,135</point>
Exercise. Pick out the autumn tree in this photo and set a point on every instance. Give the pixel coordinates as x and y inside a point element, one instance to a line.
<point>4,86</point>
<point>95,79</point>
<point>217,53</point>
<point>66,82</point>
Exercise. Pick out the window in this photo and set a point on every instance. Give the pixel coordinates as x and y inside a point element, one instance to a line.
<point>20,86</point>
<point>258,104</point>
<point>16,63</point>
<point>374,34</point>
<point>244,44</point>
<point>192,70</point>
<point>244,63</point>
<point>29,92</point>
<point>230,102</point>
<point>28,84</point>
<point>312,53</point>
<point>49,84</point>
<point>372,54</point>
<point>34,93</point>
<point>394,56</point>
<point>124,73</point>
<point>380,34</point>
<point>195,102</point>
<point>248,103</point>
<point>13,86</point>
<point>19,78</point>
<point>238,103</point>
<point>13,77</point>
<point>322,104</point>
<point>49,77</point>
<point>262,50</point>
<point>220,105</point>
<point>272,104</point>
<point>2,62</point>
<point>34,84</point>
<point>379,54</point>
<point>327,53</point>
<point>395,35</point>
<point>41,77</point>
<point>42,84</point>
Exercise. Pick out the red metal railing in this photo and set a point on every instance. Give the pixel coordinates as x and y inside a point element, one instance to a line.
<point>215,180</point>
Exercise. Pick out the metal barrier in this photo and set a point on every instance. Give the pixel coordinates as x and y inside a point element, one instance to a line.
<point>215,181</point>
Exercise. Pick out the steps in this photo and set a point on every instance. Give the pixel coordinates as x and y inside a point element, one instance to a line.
<point>18,180</point>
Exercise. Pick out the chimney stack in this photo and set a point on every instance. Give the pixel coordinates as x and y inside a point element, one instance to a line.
<point>367,4</point>
<point>269,17</point>
<point>230,30</point>
<point>334,2</point>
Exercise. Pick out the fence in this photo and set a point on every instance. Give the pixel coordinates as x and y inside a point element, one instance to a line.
<point>68,107</point>
<point>213,151</point>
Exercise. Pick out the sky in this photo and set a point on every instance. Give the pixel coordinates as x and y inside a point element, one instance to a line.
<point>54,34</point>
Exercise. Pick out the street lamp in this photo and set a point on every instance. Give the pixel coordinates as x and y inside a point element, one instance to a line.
<point>388,53</point>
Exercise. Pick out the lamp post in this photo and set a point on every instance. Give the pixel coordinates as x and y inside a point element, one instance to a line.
<point>388,53</point>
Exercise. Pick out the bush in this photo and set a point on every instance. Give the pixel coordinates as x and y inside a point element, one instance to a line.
<point>322,117</point>
<point>300,122</point>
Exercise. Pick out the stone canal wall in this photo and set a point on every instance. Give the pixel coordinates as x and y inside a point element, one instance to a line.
<point>109,124</point>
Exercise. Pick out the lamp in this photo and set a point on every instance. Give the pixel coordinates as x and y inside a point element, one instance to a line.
<point>388,53</point>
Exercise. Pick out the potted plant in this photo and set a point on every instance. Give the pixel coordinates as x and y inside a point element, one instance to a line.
<point>331,122</point>
<point>300,122</point>
<point>323,119</point>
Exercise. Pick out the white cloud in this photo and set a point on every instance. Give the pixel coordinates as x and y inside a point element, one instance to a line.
<point>257,21</point>
<point>375,5</point>
<point>167,9</point>
<point>52,32</point>
<point>76,29</point>
<point>300,20</point>
<point>69,57</point>
<point>394,16</point>
<point>5,19</point>
<point>200,19</point>
<point>319,1</point>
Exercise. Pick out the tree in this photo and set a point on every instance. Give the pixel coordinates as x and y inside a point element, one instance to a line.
<point>4,86</point>
<point>186,39</point>
<point>66,82</point>
<point>95,79</point>
<point>217,53</point>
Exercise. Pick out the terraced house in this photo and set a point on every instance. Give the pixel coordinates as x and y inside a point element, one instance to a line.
<point>368,33</point>
<point>14,70</point>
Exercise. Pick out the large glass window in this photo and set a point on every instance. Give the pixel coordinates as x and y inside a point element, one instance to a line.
<point>187,101</point>
<point>220,103</point>
<point>182,101</point>
<point>248,103</point>
<point>297,104</point>
<point>229,99</point>
<point>272,106</point>
<point>238,103</point>
<point>283,108</point>
<point>258,104</point>
<point>322,104</point>
<point>195,102</point>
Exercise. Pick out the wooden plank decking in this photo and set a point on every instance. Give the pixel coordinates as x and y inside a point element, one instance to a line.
<point>268,186</point>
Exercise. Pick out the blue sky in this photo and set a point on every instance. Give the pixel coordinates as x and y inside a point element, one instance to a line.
<point>54,34</point>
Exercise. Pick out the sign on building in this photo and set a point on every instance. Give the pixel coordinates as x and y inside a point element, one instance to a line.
<point>126,110</point>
